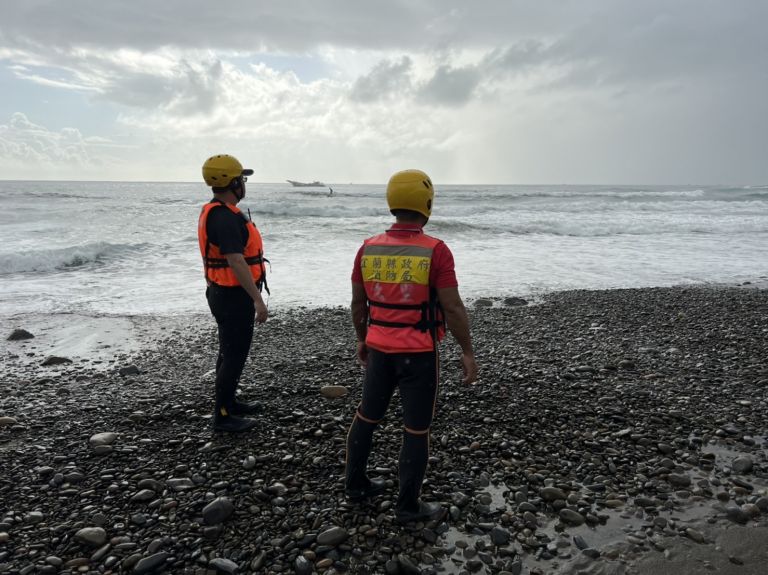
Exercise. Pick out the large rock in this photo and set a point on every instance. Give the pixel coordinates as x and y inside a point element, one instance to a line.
<point>332,536</point>
<point>571,517</point>
<point>143,496</point>
<point>736,514</point>
<point>742,464</point>
<point>407,565</point>
<point>152,484</point>
<point>514,301</point>
<point>105,438</point>
<point>7,420</point>
<point>500,536</point>
<point>218,511</point>
<point>92,536</point>
<point>19,334</point>
<point>679,479</point>
<point>55,360</point>
<point>151,563</point>
<point>223,565</point>
<point>552,493</point>
<point>128,370</point>
<point>333,391</point>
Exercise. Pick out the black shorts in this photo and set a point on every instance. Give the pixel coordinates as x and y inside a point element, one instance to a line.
<point>416,376</point>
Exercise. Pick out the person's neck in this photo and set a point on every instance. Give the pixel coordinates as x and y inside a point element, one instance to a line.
<point>227,198</point>
<point>411,223</point>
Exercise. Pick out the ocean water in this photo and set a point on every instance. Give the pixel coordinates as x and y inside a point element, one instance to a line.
<point>131,248</point>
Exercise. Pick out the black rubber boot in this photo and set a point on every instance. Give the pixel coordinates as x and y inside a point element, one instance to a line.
<point>223,420</point>
<point>423,512</point>
<point>375,487</point>
<point>232,423</point>
<point>359,442</point>
<point>243,408</point>
<point>414,456</point>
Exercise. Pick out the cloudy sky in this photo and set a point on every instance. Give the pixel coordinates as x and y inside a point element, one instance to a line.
<point>502,91</point>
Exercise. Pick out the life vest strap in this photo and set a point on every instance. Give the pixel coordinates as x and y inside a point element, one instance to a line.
<point>395,305</point>
<point>421,325</point>
<point>427,322</point>
<point>219,263</point>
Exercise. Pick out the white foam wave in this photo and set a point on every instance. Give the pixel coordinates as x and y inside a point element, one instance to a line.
<point>319,211</point>
<point>597,228</point>
<point>583,194</point>
<point>65,258</point>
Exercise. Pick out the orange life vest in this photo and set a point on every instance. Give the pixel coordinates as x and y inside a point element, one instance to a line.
<point>215,264</point>
<point>403,314</point>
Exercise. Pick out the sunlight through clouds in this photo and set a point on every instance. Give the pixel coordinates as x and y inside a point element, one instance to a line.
<point>522,90</point>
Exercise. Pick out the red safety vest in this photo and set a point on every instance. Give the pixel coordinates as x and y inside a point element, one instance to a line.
<point>403,313</point>
<point>215,264</point>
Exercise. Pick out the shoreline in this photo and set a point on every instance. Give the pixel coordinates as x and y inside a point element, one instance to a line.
<point>104,338</point>
<point>612,415</point>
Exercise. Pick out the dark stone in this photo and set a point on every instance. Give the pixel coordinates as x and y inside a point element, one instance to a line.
<point>737,514</point>
<point>55,360</point>
<point>129,370</point>
<point>500,536</point>
<point>407,565</point>
<point>19,334</point>
<point>591,553</point>
<point>151,563</point>
<point>303,566</point>
<point>223,565</point>
<point>580,543</point>
<point>332,536</point>
<point>218,511</point>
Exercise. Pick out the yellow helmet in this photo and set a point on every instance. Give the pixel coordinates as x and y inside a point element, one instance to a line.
<point>220,170</point>
<point>411,190</point>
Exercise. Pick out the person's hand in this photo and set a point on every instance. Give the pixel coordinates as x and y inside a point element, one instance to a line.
<point>362,353</point>
<point>469,367</point>
<point>261,312</point>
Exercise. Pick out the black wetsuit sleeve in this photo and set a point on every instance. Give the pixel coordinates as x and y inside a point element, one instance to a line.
<point>227,231</point>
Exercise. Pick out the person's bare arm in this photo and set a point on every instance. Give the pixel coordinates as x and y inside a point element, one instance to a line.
<point>458,324</point>
<point>243,275</point>
<point>360,320</point>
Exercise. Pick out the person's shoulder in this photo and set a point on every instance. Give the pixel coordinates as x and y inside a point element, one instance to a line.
<point>438,241</point>
<point>223,213</point>
<point>441,252</point>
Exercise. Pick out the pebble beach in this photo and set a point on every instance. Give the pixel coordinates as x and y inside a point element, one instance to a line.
<point>611,432</point>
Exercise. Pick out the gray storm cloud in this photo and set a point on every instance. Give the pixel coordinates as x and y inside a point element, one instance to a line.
<point>386,79</point>
<point>593,82</point>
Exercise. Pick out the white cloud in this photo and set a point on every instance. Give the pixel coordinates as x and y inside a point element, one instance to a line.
<point>26,143</point>
<point>535,91</point>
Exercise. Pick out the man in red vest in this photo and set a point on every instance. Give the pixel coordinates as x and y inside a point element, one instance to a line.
<point>404,293</point>
<point>233,260</point>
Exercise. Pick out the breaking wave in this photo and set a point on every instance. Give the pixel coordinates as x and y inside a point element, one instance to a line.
<point>73,257</point>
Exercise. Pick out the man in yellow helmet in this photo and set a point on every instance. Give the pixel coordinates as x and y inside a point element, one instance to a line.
<point>404,292</point>
<point>233,261</point>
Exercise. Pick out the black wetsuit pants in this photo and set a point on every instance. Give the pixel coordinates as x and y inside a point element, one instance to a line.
<point>416,376</point>
<point>234,312</point>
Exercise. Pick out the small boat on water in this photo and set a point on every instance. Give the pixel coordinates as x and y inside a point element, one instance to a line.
<point>314,184</point>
